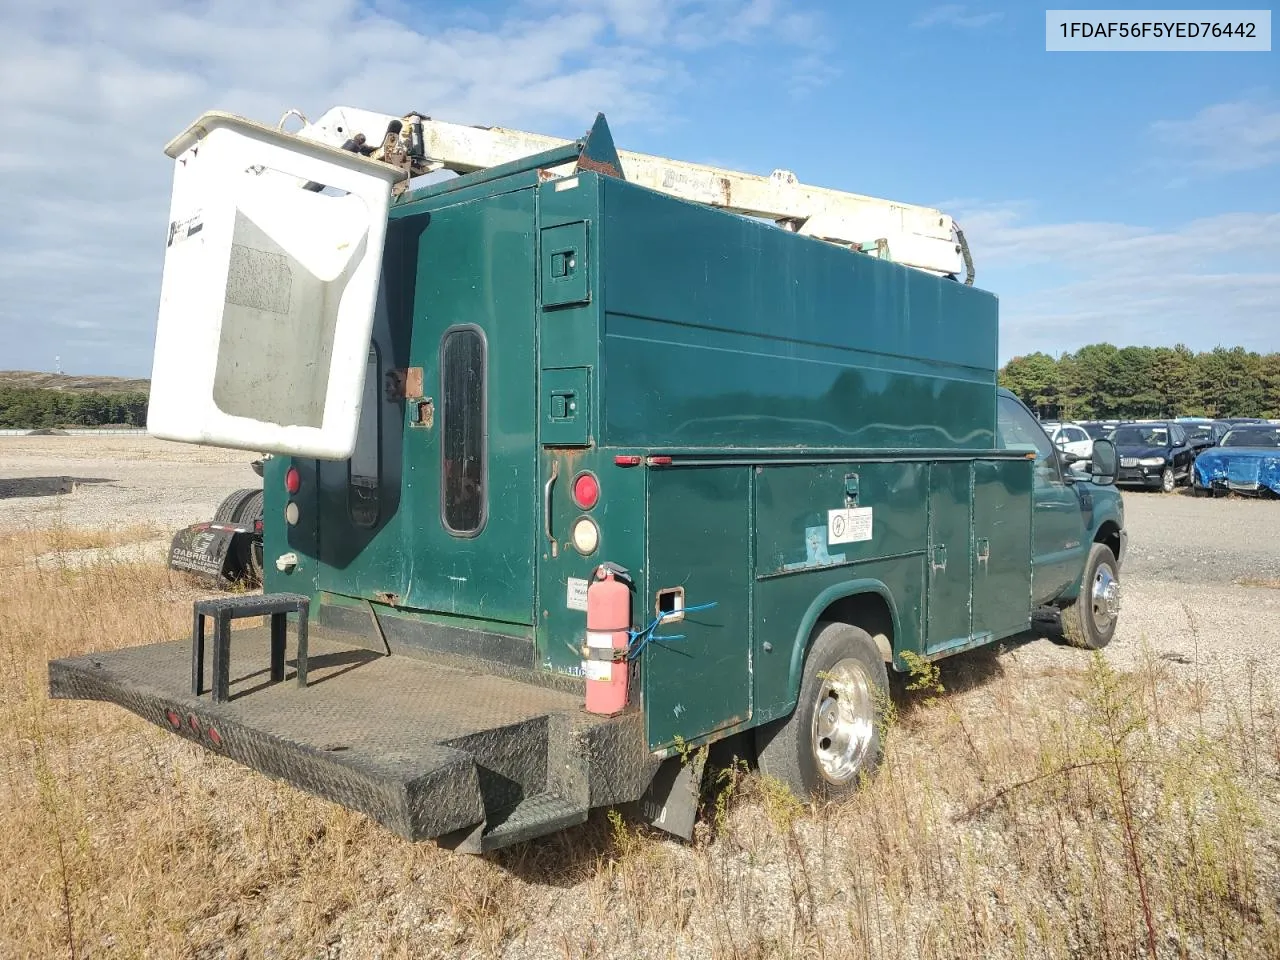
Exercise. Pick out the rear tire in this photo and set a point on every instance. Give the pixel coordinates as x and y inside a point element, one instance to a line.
<point>832,738</point>
<point>1090,622</point>
<point>230,508</point>
<point>250,544</point>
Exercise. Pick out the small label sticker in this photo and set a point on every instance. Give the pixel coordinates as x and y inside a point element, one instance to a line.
<point>601,670</point>
<point>568,184</point>
<point>850,525</point>
<point>180,230</point>
<point>576,594</point>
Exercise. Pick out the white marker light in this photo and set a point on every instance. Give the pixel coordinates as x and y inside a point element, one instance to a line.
<point>585,536</point>
<point>291,513</point>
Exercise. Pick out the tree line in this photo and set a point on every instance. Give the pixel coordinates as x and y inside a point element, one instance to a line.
<point>32,407</point>
<point>1101,382</point>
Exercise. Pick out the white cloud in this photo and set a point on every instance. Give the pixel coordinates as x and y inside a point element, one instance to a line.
<point>90,93</point>
<point>1226,137</point>
<point>1204,282</point>
<point>954,15</point>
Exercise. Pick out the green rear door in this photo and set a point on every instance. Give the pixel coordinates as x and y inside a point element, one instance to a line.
<point>469,490</point>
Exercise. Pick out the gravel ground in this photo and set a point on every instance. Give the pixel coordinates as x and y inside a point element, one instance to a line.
<point>1201,590</point>
<point>1188,559</point>
<point>119,480</point>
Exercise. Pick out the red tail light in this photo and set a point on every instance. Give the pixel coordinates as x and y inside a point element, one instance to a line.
<point>292,480</point>
<point>586,491</point>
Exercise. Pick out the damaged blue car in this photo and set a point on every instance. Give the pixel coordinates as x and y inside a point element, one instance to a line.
<point>1246,461</point>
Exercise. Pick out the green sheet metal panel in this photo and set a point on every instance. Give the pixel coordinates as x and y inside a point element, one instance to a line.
<point>568,354</point>
<point>566,274</point>
<point>699,539</point>
<point>786,607</point>
<point>950,555</point>
<point>1002,547</point>
<point>722,331</point>
<point>793,504</point>
<point>564,574</point>
<point>565,407</point>
<point>796,560</point>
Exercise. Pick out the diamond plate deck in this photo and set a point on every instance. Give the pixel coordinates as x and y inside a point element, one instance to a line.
<point>424,748</point>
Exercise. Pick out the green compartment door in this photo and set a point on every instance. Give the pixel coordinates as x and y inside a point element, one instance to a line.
<point>949,556</point>
<point>1002,547</point>
<point>699,551</point>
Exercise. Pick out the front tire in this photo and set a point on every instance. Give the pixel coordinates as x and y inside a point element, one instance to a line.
<point>1090,622</point>
<point>1167,480</point>
<point>832,738</point>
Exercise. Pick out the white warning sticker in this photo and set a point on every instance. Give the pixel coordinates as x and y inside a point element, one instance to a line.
<point>851,525</point>
<point>576,594</point>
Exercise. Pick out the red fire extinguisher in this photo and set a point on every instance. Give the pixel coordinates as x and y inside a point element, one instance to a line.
<point>608,636</point>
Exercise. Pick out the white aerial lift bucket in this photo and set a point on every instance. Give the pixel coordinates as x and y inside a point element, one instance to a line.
<point>269,289</point>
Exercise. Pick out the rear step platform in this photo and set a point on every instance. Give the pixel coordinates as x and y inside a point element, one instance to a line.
<point>428,749</point>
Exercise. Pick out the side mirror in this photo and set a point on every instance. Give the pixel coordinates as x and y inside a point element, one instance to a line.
<point>1103,468</point>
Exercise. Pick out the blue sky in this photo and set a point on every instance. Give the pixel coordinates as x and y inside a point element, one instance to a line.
<point>1131,197</point>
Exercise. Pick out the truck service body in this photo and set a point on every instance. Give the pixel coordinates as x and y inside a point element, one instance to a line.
<point>795,456</point>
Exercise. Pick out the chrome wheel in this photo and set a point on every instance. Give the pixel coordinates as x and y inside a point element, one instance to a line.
<point>1105,597</point>
<point>843,721</point>
<point>1167,480</point>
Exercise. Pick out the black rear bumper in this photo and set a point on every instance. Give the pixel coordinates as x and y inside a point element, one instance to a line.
<point>426,749</point>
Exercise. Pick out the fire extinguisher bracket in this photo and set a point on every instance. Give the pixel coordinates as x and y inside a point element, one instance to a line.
<point>610,654</point>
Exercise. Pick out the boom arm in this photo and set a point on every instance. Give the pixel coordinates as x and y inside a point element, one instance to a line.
<point>915,236</point>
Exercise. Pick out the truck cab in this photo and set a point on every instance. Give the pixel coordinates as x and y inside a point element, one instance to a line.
<point>1078,532</point>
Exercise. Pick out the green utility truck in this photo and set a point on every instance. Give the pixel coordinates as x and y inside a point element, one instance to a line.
<point>788,443</point>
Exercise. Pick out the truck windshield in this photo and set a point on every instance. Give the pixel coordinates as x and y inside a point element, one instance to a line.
<point>1137,435</point>
<point>1252,437</point>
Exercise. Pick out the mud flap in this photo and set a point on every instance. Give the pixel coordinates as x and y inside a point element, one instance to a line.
<point>205,550</point>
<point>671,802</point>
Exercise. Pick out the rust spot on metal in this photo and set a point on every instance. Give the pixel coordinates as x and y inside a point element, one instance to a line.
<point>404,384</point>
<point>726,192</point>
<point>387,597</point>
<point>424,414</point>
<point>597,166</point>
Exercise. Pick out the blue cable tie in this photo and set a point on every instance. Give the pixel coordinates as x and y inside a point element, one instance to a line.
<point>649,635</point>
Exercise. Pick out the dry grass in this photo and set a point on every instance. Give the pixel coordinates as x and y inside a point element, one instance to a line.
<point>1020,813</point>
<point>1272,583</point>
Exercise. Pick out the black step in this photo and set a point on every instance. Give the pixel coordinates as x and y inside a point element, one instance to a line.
<point>427,749</point>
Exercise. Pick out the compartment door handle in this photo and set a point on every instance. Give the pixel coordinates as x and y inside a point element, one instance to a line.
<point>546,504</point>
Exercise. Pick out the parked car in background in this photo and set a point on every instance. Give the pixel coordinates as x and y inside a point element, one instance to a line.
<point>1203,432</point>
<point>1153,454</point>
<point>1097,429</point>
<point>1246,461</point>
<point>1070,437</point>
<point>1236,421</point>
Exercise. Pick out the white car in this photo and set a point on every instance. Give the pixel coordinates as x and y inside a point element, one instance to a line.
<point>1072,438</point>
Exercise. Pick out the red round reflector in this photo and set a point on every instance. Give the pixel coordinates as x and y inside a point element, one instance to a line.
<point>586,491</point>
<point>193,722</point>
<point>292,480</point>
<point>175,721</point>
<point>215,736</point>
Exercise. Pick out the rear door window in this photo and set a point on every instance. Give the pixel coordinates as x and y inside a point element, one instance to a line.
<point>463,431</point>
